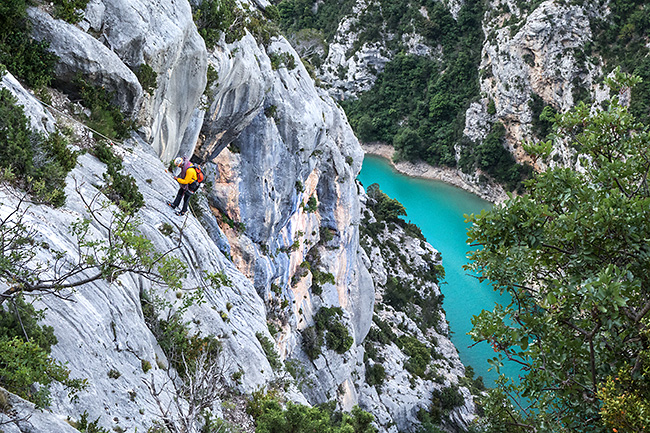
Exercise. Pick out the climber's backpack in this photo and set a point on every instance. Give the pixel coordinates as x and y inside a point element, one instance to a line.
<point>200,177</point>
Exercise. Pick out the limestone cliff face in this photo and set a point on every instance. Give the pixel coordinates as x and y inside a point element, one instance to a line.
<point>531,52</point>
<point>102,328</point>
<point>118,37</point>
<point>288,177</point>
<point>410,270</point>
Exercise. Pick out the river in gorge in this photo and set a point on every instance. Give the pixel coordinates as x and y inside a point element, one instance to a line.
<point>438,209</point>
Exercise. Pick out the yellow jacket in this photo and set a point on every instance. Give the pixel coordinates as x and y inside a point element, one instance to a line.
<point>190,176</point>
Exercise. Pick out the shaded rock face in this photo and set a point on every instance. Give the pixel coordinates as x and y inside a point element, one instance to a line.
<point>130,33</point>
<point>101,331</point>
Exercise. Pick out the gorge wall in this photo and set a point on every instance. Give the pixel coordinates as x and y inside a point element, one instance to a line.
<point>278,221</point>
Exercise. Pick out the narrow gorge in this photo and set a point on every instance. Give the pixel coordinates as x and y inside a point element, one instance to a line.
<point>290,295</point>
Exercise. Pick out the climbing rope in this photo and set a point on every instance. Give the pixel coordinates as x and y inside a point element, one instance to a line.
<point>110,140</point>
<point>45,104</point>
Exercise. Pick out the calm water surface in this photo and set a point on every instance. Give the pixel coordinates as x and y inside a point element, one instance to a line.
<point>438,209</point>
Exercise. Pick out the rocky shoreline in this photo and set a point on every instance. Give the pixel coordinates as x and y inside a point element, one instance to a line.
<point>490,192</point>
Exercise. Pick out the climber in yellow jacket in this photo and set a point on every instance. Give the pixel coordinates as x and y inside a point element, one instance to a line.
<point>188,181</point>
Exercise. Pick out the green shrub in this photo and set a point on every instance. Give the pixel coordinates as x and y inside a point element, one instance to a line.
<point>279,60</point>
<point>147,78</point>
<point>338,338</point>
<point>181,347</point>
<point>119,188</point>
<point>492,157</point>
<point>146,365</point>
<point>24,57</point>
<point>105,117</point>
<point>69,10</point>
<point>327,328</point>
<point>312,342</point>
<point>491,108</point>
<point>269,350</point>
<point>443,401</point>
<point>212,78</point>
<point>24,363</point>
<point>20,320</point>
<point>24,354</point>
<point>39,164</point>
<point>312,205</point>
<point>212,17</point>
<point>543,116</point>
<point>270,417</point>
<point>419,355</point>
<point>88,427</point>
<point>375,374</point>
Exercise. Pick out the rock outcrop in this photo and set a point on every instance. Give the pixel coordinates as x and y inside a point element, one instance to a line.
<point>410,271</point>
<point>119,38</point>
<point>524,55</point>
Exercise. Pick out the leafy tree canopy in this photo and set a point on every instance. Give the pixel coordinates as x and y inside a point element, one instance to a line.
<point>574,254</point>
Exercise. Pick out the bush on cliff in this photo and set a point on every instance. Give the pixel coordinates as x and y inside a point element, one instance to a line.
<point>574,255</point>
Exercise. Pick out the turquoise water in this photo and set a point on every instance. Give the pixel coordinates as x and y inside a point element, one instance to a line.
<point>438,208</point>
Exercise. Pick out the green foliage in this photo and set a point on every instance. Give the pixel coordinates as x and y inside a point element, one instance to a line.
<point>39,164</point>
<point>271,417</point>
<point>375,374</point>
<point>384,207</point>
<point>182,347</point>
<point>491,108</point>
<point>89,427</point>
<point>295,15</point>
<point>419,355</point>
<point>337,338</point>
<point>146,365</point>
<point>328,328</point>
<point>212,80</point>
<point>24,363</point>
<point>312,205</point>
<point>419,103</point>
<point>284,59</point>
<point>24,354</point>
<point>401,295</point>
<point>70,10</point>
<point>212,17</point>
<point>574,255</point>
<point>105,116</point>
<point>20,320</point>
<point>120,188</point>
<point>269,350</point>
<point>443,401</point>
<point>492,157</point>
<point>147,78</point>
<point>23,56</point>
<point>270,111</point>
<point>543,116</point>
<point>383,333</point>
<point>620,38</point>
<point>626,396</point>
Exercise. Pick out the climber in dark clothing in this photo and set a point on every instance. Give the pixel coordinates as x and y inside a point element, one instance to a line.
<point>188,184</point>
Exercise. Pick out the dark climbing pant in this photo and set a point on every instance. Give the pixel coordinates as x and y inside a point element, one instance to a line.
<point>185,195</point>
